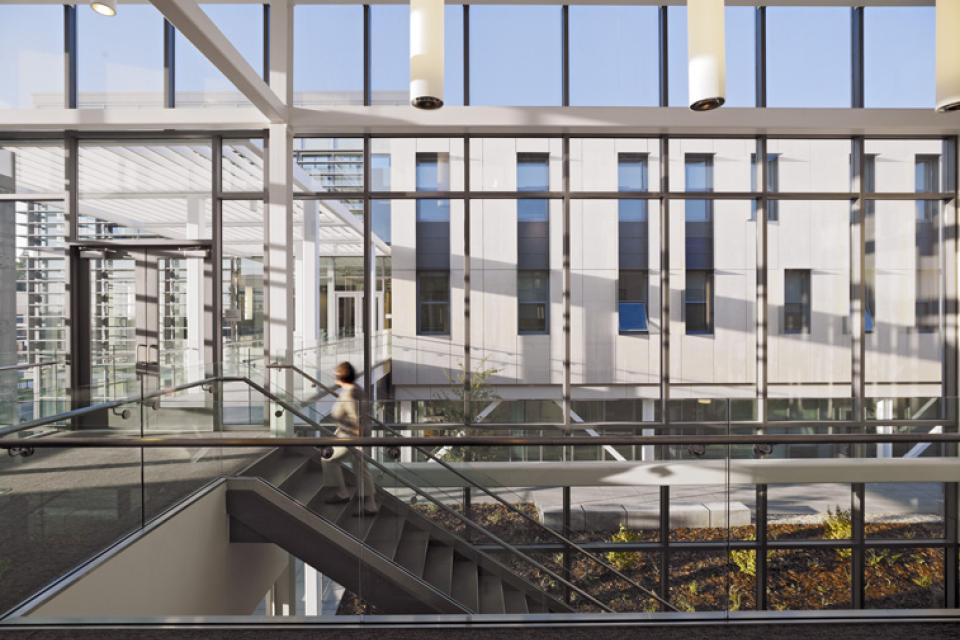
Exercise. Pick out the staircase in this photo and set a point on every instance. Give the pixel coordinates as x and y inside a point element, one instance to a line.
<point>398,560</point>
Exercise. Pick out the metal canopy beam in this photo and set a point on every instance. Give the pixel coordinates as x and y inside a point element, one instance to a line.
<point>196,25</point>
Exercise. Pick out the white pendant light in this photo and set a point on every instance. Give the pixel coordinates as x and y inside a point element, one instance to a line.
<point>426,54</point>
<point>104,7</point>
<point>948,55</point>
<point>706,54</point>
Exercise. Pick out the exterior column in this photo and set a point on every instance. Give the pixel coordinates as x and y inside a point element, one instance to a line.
<point>308,270</point>
<point>278,267</point>
<point>278,227</point>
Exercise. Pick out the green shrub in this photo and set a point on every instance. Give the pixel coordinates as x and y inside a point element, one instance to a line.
<point>745,561</point>
<point>839,526</point>
<point>622,560</point>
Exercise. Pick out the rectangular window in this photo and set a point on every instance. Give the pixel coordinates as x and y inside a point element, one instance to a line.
<point>380,172</point>
<point>533,293</point>
<point>928,243</point>
<point>533,244</point>
<point>433,302</point>
<point>632,300</point>
<point>633,252</point>
<point>773,184</point>
<point>433,245</point>
<point>698,306</point>
<point>796,301</point>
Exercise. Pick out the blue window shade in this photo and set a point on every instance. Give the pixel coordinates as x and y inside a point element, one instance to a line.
<point>532,210</point>
<point>633,316</point>
<point>533,172</point>
<point>632,172</point>
<point>432,172</point>
<point>433,211</point>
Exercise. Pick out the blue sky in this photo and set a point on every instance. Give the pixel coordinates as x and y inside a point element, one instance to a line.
<point>515,53</point>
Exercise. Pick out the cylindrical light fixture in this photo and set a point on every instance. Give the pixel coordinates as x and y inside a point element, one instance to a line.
<point>948,55</point>
<point>706,54</point>
<point>104,7</point>
<point>426,54</point>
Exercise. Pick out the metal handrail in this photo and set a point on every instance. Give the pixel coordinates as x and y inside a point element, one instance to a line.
<point>314,381</point>
<point>30,365</point>
<point>510,507</point>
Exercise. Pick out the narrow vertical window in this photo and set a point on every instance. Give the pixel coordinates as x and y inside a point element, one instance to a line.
<point>773,184</point>
<point>698,230</point>
<point>796,305</point>
<point>433,247</point>
<point>927,244</point>
<point>632,287</point>
<point>533,245</point>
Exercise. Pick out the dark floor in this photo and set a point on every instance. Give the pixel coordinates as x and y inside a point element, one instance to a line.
<point>707,631</point>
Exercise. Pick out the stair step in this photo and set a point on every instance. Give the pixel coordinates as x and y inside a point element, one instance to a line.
<point>304,486</point>
<point>331,512</point>
<point>439,566</point>
<point>384,535</point>
<point>356,525</point>
<point>278,469</point>
<point>514,601</point>
<point>536,605</point>
<point>491,594</point>
<point>465,583</point>
<point>412,550</point>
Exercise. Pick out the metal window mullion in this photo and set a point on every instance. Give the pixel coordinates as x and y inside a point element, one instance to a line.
<point>858,287</point>
<point>760,57</point>
<point>366,66</point>
<point>216,258</point>
<point>664,282</point>
<point>565,54</point>
<point>949,287</point>
<point>169,65</point>
<point>664,68</point>
<point>467,363</point>
<point>70,56</point>
<point>369,285</point>
<point>856,58</point>
<point>858,557</point>
<point>762,293</point>
<point>664,544</point>
<point>466,60</point>
<point>761,547</point>
<point>266,42</point>
<point>567,280</point>
<point>950,560</point>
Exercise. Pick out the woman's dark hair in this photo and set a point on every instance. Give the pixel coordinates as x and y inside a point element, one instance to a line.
<point>345,372</point>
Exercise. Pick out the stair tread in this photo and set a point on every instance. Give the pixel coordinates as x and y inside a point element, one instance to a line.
<point>384,535</point>
<point>356,525</point>
<point>466,589</point>
<point>412,550</point>
<point>514,601</point>
<point>438,569</point>
<point>535,605</point>
<point>491,594</point>
<point>331,512</point>
<point>305,486</point>
<point>278,469</point>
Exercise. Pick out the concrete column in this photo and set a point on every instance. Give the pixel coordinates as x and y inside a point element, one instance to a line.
<point>278,226</point>
<point>308,271</point>
<point>285,591</point>
<point>278,265</point>
<point>311,591</point>
<point>193,358</point>
<point>406,417</point>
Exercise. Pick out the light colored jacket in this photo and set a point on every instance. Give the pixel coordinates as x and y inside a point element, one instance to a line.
<point>346,413</point>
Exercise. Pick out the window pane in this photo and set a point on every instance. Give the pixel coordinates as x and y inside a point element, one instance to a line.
<point>243,164</point>
<point>494,164</point>
<point>328,54</point>
<point>598,164</point>
<point>33,167</point>
<point>796,315</point>
<point>894,164</point>
<point>515,55</point>
<point>741,75</point>
<point>811,165</point>
<point>417,164</point>
<point>808,57</point>
<point>336,165</point>
<point>199,82</point>
<point>614,56</point>
<point>899,57</point>
<point>729,167</point>
<point>120,59</point>
<point>31,56</point>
